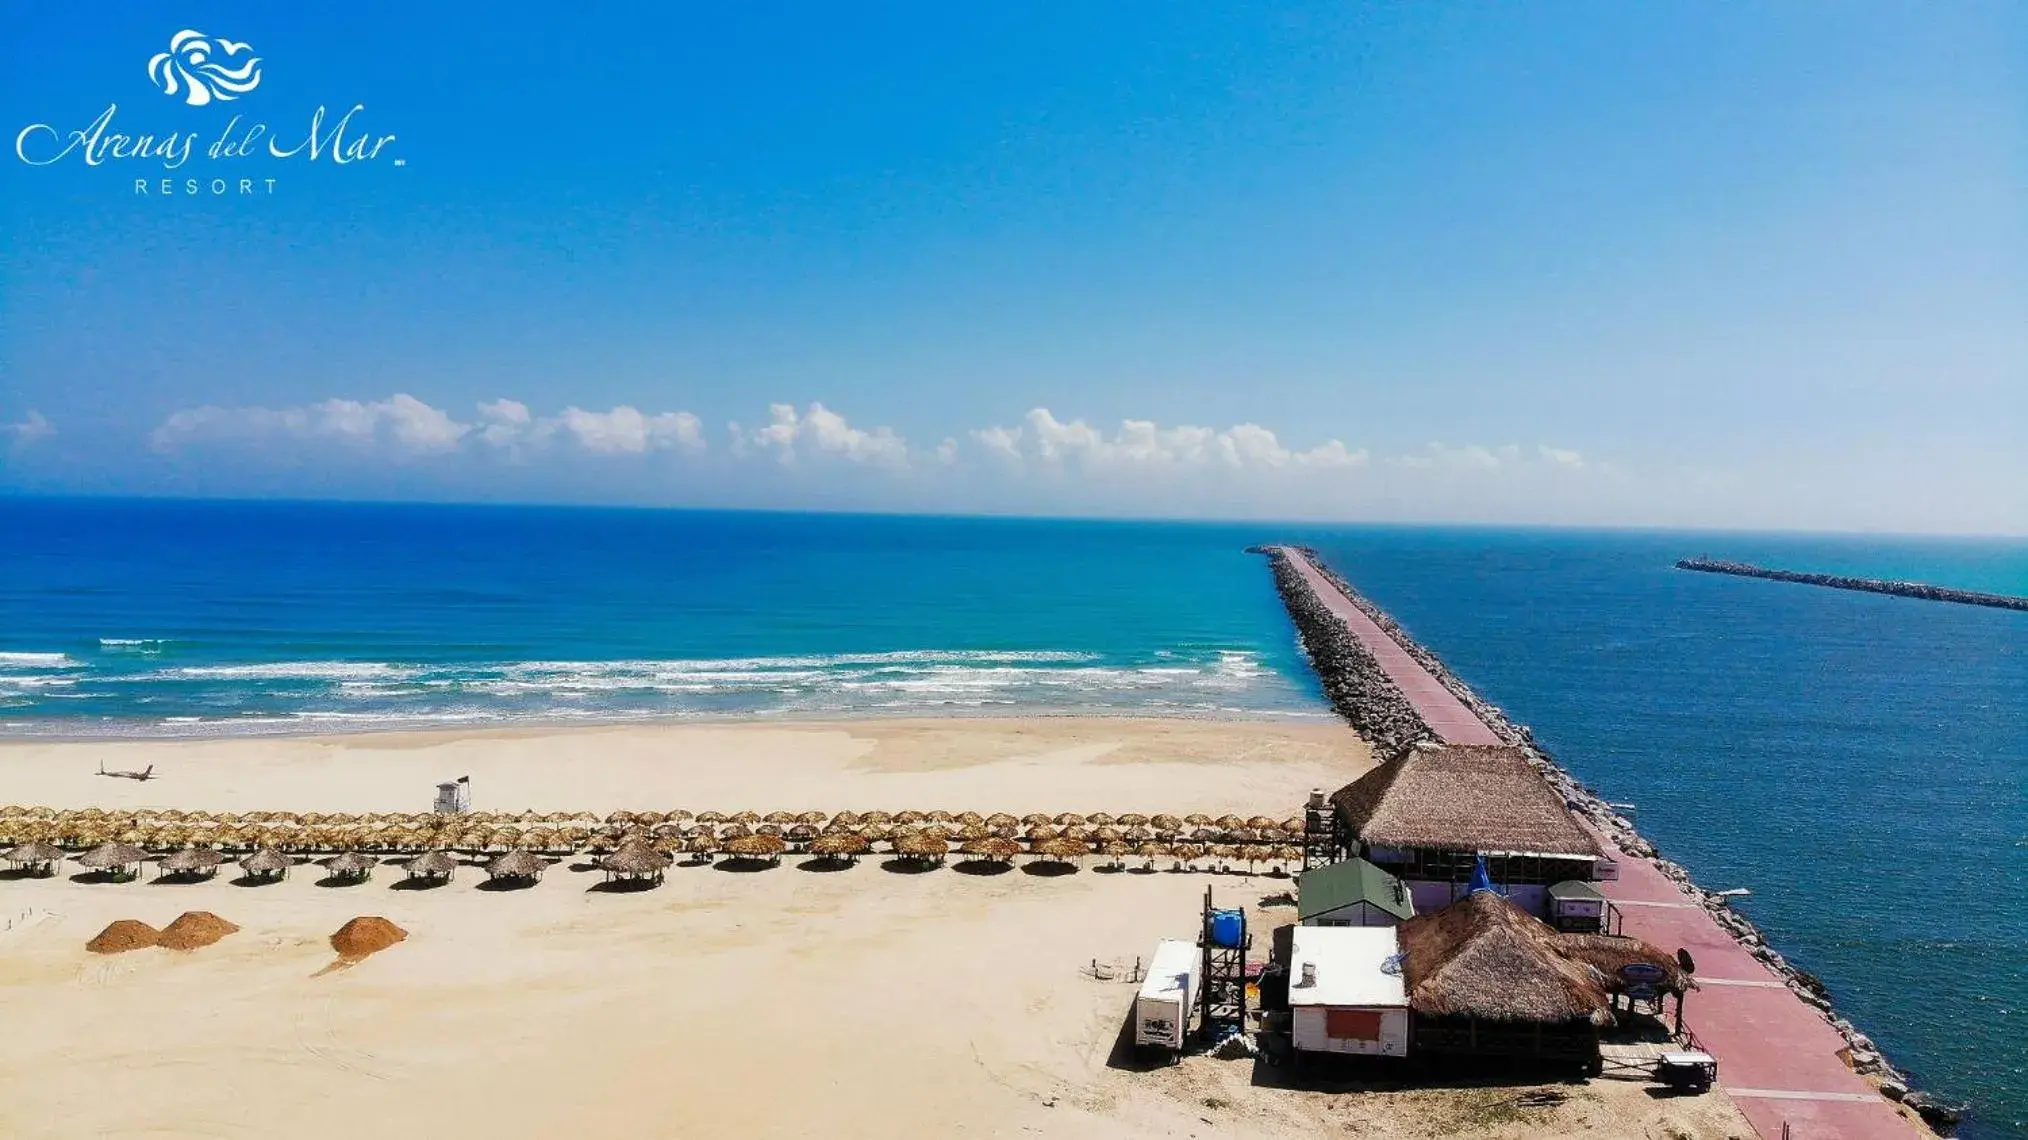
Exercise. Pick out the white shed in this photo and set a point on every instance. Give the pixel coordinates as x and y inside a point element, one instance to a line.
<point>1162,1008</point>
<point>1345,991</point>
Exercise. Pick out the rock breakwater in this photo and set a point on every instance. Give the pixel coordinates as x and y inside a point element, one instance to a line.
<point>1920,590</point>
<point>1353,681</point>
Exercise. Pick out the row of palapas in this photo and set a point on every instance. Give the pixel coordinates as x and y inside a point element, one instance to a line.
<point>641,855</point>
<point>1195,836</point>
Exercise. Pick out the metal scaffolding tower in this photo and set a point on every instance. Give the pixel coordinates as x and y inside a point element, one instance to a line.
<point>1224,987</point>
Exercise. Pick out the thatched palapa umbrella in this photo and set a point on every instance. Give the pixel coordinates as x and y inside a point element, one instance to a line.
<point>438,865</point>
<point>927,846</point>
<point>840,847</point>
<point>37,857</point>
<point>266,864</point>
<point>636,863</point>
<point>119,858</point>
<point>202,861</point>
<point>351,866</point>
<point>766,847</point>
<point>524,866</point>
<point>993,848</point>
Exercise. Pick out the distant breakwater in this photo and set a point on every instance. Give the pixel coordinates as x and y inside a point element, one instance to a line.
<point>1920,590</point>
<point>1358,689</point>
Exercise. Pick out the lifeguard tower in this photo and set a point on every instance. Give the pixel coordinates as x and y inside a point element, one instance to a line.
<point>455,797</point>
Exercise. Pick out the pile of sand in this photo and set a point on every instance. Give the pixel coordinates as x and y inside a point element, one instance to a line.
<point>195,928</point>
<point>367,934</point>
<point>123,935</point>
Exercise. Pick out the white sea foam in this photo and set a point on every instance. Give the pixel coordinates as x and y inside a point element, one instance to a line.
<point>131,642</point>
<point>291,671</point>
<point>34,660</point>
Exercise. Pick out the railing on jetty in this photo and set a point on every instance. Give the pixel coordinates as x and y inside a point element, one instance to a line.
<point>1920,590</point>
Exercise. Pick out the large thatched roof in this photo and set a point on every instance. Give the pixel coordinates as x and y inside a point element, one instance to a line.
<point>1455,797</point>
<point>1486,958</point>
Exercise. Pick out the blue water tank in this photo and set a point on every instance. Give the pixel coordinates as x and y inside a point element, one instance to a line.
<point>1228,928</point>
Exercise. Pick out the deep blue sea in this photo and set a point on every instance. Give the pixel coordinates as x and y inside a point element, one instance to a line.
<point>1859,762</point>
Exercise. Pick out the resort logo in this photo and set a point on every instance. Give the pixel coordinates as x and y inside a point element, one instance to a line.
<point>197,67</point>
<point>238,155</point>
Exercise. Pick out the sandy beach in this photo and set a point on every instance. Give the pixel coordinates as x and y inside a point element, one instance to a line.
<point>862,1002</point>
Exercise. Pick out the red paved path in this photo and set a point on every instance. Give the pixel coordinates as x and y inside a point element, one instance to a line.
<point>1445,714</point>
<point>1777,1057</point>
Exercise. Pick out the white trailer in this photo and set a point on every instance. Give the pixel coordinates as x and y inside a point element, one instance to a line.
<point>1162,1008</point>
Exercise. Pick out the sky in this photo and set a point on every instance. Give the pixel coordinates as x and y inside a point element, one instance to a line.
<point>1661,264</point>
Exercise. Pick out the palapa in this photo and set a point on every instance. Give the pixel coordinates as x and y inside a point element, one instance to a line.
<point>112,857</point>
<point>1456,797</point>
<point>192,860</point>
<point>993,847</point>
<point>1484,958</point>
<point>516,864</point>
<point>266,862</point>
<point>756,847</point>
<point>35,854</point>
<point>635,862</point>
<point>842,845</point>
<point>925,846</point>
<point>432,865</point>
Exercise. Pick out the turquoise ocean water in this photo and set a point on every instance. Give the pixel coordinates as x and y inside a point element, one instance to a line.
<point>1859,762</point>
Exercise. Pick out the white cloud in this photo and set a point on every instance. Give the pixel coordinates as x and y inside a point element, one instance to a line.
<point>822,432</point>
<point>1044,440</point>
<point>400,423</point>
<point>33,427</point>
<point>404,425</point>
<point>1560,457</point>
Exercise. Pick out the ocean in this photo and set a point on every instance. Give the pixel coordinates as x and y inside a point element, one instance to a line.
<point>1859,762</point>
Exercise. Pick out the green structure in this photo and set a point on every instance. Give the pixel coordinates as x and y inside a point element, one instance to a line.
<point>1352,892</point>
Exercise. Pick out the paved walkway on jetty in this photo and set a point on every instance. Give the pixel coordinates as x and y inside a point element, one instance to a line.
<point>1777,1057</point>
<point>1445,714</point>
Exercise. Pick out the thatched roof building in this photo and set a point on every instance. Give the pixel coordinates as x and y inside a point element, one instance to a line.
<point>1484,978</point>
<point>1484,958</point>
<point>1464,798</point>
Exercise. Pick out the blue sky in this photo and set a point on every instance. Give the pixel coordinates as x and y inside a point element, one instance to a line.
<point>1638,264</point>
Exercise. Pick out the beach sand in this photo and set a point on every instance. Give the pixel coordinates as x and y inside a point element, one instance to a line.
<point>863,1002</point>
